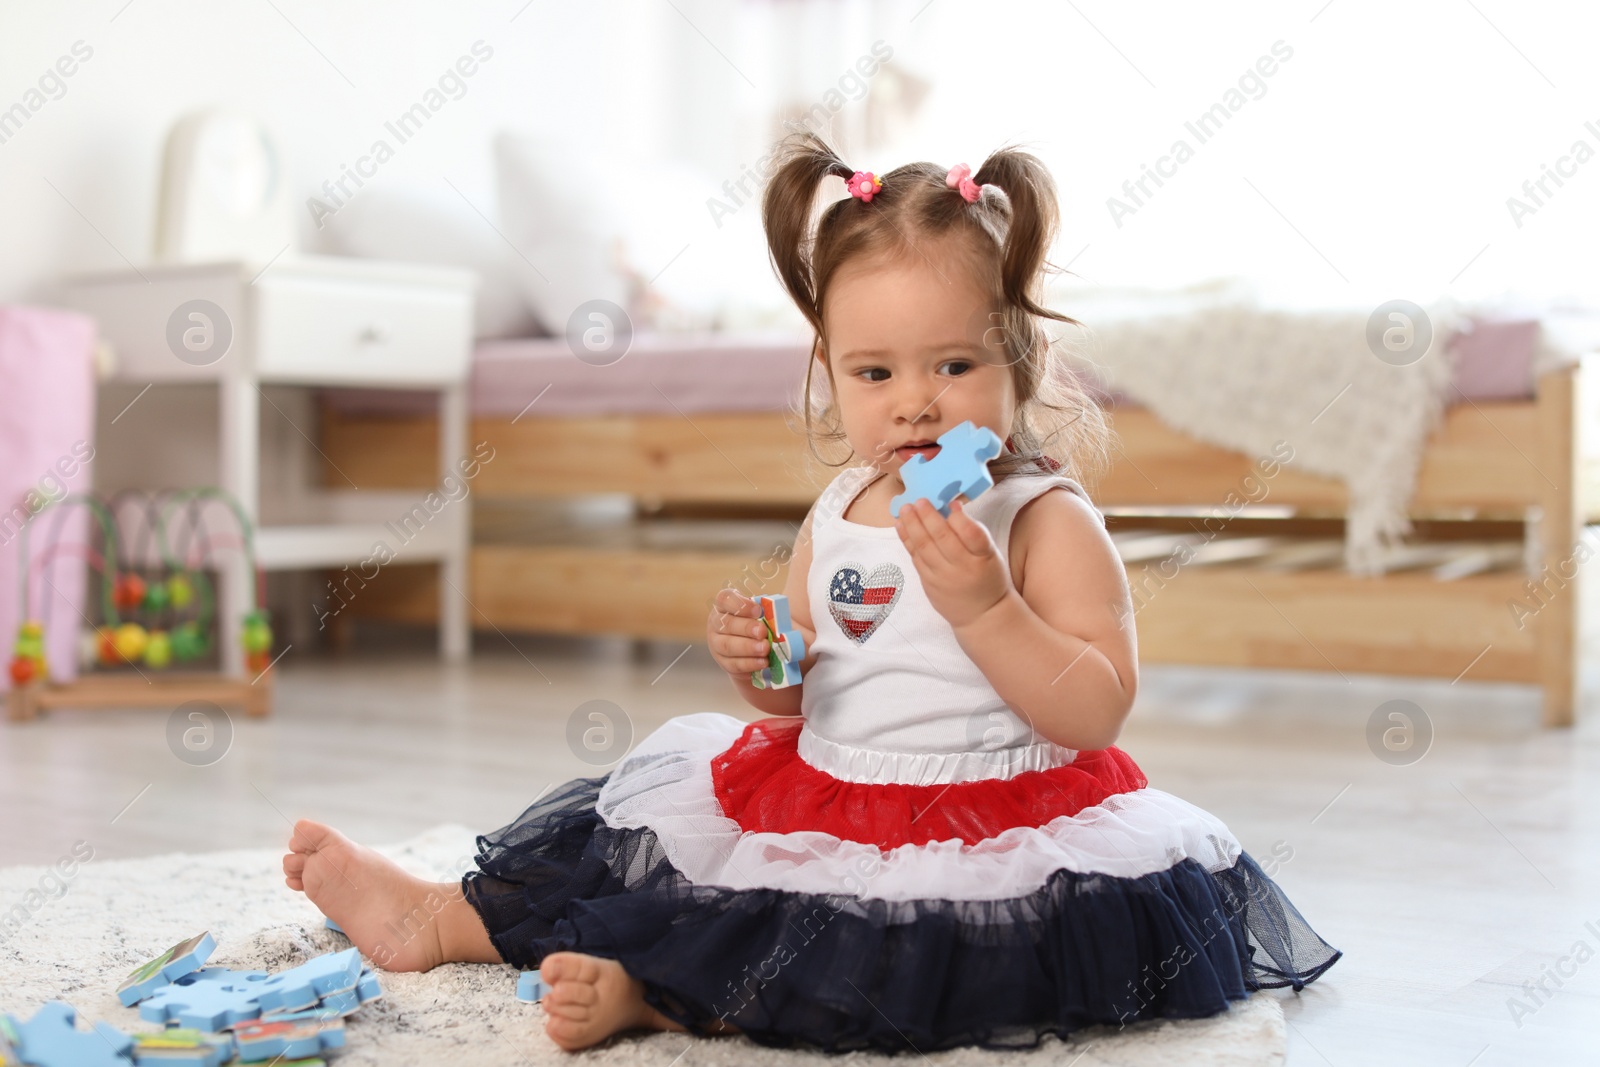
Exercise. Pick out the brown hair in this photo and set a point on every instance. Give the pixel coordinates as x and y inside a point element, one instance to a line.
<point>1009,229</point>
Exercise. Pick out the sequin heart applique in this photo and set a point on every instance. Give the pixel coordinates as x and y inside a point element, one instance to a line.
<point>860,600</point>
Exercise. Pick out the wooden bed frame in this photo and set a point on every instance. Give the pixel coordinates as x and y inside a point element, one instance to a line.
<point>1497,462</point>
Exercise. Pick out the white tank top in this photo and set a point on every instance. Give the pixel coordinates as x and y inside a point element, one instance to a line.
<point>892,697</point>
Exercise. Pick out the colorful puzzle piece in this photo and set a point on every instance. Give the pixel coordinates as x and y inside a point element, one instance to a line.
<point>51,1039</point>
<point>10,1042</point>
<point>268,1040</point>
<point>181,1048</point>
<point>183,958</point>
<point>9,1056</point>
<point>303,986</point>
<point>335,927</point>
<point>960,469</point>
<point>204,1004</point>
<point>786,647</point>
<point>530,987</point>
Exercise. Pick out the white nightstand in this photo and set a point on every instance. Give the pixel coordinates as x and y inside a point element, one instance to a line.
<point>305,321</point>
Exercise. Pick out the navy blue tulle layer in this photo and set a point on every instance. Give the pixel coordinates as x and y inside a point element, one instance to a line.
<point>843,974</point>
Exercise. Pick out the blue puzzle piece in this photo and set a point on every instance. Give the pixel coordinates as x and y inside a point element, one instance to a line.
<point>320,1013</point>
<point>334,1005</point>
<point>243,979</point>
<point>183,958</point>
<point>203,1004</point>
<point>51,1039</point>
<point>960,469</point>
<point>182,1048</point>
<point>303,986</point>
<point>530,987</point>
<point>368,989</point>
<point>270,1040</point>
<point>335,927</point>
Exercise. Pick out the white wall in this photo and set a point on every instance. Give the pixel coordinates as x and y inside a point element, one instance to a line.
<point>1390,141</point>
<point>78,180</point>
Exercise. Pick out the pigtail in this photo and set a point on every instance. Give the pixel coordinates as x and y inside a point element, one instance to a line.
<point>1031,227</point>
<point>1056,413</point>
<point>800,162</point>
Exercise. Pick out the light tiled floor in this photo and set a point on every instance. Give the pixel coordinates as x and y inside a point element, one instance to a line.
<point>1447,883</point>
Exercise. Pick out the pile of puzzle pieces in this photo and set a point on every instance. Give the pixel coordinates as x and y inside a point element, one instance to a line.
<point>785,646</point>
<point>212,1016</point>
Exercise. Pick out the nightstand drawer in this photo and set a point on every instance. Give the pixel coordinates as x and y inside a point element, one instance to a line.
<point>320,329</point>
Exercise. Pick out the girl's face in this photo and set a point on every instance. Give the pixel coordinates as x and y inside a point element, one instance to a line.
<point>912,351</point>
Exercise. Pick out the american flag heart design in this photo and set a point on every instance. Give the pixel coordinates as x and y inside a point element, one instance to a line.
<point>860,600</point>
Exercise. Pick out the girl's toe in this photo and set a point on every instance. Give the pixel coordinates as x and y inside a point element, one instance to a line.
<point>568,993</point>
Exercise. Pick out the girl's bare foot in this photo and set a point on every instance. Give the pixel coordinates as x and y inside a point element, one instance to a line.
<point>592,998</point>
<point>400,922</point>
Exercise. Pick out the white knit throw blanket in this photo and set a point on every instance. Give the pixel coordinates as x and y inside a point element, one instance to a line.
<point>1247,379</point>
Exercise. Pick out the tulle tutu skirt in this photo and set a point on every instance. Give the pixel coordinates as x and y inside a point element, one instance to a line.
<point>737,882</point>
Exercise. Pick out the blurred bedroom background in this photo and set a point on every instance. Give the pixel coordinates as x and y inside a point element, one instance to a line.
<point>467,309</point>
<point>321,258</point>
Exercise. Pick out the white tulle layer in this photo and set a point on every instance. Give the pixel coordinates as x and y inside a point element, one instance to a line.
<point>852,763</point>
<point>665,785</point>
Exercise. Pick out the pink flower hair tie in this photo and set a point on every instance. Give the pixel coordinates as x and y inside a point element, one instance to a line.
<point>863,184</point>
<point>960,179</point>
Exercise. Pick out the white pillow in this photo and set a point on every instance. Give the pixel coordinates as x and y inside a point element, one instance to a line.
<point>599,225</point>
<point>423,224</point>
<point>559,205</point>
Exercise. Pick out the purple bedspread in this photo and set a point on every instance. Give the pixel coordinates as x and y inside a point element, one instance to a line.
<point>662,374</point>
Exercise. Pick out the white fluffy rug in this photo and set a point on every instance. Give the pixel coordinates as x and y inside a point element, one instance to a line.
<point>114,915</point>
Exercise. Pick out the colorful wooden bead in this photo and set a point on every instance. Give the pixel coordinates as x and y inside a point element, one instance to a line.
<point>158,650</point>
<point>108,647</point>
<point>257,635</point>
<point>188,642</point>
<point>155,597</point>
<point>128,593</point>
<point>179,592</point>
<point>129,640</point>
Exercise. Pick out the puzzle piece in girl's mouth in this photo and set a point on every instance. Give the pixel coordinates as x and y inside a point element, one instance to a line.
<point>303,986</point>
<point>51,1039</point>
<point>183,958</point>
<point>960,469</point>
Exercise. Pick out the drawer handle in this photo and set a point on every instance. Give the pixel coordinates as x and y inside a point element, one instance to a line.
<point>376,333</point>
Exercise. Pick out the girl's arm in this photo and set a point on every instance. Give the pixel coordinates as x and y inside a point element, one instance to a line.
<point>1058,642</point>
<point>786,701</point>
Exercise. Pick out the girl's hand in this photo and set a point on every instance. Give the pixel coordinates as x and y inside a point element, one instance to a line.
<point>957,560</point>
<point>736,635</point>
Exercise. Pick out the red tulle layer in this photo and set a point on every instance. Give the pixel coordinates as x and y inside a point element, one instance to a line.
<point>763,785</point>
